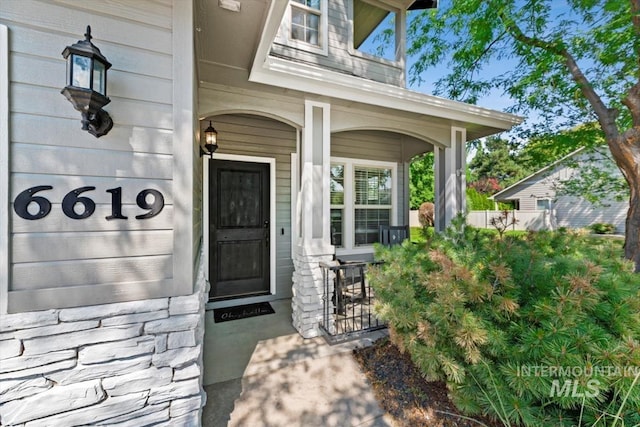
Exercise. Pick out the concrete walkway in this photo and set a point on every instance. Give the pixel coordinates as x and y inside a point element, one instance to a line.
<point>260,372</point>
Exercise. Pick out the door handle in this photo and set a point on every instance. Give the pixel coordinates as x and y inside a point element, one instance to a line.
<point>266,233</point>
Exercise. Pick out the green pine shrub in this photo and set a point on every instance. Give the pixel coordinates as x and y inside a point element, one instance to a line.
<point>603,228</point>
<point>486,314</point>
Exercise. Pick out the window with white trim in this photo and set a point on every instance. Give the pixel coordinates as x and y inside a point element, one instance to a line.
<point>305,21</point>
<point>337,204</point>
<point>305,26</point>
<point>372,203</point>
<point>543,204</point>
<point>362,200</point>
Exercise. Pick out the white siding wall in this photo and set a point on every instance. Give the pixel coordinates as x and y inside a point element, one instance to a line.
<point>338,57</point>
<point>530,193</point>
<point>575,213</point>
<point>94,260</point>
<point>570,211</point>
<point>122,343</point>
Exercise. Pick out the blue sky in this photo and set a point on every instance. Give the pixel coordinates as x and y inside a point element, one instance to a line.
<point>494,100</point>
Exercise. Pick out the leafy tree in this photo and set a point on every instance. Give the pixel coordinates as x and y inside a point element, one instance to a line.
<point>485,185</point>
<point>477,201</point>
<point>497,158</point>
<point>543,149</point>
<point>421,180</point>
<point>598,180</point>
<point>573,61</point>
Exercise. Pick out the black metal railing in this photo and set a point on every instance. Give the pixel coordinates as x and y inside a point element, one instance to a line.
<point>348,301</point>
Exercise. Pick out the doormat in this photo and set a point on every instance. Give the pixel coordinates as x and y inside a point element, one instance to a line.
<point>241,312</point>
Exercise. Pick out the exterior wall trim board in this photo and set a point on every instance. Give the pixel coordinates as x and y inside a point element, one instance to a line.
<point>4,168</point>
<point>184,149</point>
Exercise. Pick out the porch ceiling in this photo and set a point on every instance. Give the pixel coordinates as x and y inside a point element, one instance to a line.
<point>228,37</point>
<point>228,40</point>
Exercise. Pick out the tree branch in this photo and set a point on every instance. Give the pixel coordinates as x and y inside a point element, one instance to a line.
<point>635,20</point>
<point>606,117</point>
<point>632,100</point>
<point>488,48</point>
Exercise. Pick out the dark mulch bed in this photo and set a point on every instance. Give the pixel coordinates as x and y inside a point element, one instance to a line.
<point>405,395</point>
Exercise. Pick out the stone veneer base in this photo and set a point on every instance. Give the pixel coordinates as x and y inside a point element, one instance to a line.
<point>126,364</point>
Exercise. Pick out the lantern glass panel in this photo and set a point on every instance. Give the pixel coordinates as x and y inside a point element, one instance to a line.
<point>211,137</point>
<point>99,77</point>
<point>80,71</point>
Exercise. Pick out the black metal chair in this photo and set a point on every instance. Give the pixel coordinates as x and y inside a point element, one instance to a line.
<point>393,234</point>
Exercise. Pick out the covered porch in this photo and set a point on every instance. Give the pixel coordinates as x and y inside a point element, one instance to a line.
<point>336,174</point>
<point>335,149</point>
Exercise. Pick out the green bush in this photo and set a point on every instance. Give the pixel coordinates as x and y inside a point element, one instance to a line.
<point>478,201</point>
<point>421,234</point>
<point>603,228</point>
<point>494,318</point>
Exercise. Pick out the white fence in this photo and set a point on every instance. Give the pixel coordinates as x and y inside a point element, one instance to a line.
<point>526,220</point>
<point>413,219</point>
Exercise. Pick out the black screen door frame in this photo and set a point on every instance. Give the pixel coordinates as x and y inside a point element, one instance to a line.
<point>270,163</point>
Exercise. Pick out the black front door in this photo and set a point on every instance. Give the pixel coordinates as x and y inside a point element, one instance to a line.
<point>238,229</point>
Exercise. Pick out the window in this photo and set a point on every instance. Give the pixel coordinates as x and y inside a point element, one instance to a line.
<point>337,204</point>
<point>304,26</point>
<point>305,21</point>
<point>362,199</point>
<point>372,203</point>
<point>543,204</point>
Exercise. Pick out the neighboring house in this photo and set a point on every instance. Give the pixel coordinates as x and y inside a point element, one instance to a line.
<point>539,193</point>
<point>108,246</point>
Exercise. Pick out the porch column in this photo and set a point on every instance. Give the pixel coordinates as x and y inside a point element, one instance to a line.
<point>314,242</point>
<point>450,179</point>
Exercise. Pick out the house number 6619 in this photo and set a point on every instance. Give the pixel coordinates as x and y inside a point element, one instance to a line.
<point>76,206</point>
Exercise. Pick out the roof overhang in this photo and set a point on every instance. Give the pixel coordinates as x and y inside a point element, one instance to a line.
<point>367,16</point>
<point>423,4</point>
<point>478,121</point>
<point>252,43</point>
<point>228,32</point>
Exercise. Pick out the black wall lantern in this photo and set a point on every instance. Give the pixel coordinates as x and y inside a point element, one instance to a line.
<point>87,84</point>
<point>210,141</point>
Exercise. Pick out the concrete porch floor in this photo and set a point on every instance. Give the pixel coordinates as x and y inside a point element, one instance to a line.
<point>260,372</point>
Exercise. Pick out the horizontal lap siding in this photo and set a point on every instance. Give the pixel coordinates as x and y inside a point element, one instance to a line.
<point>49,148</point>
<point>338,57</point>
<point>576,213</point>
<point>263,137</point>
<point>530,194</point>
<point>374,145</point>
